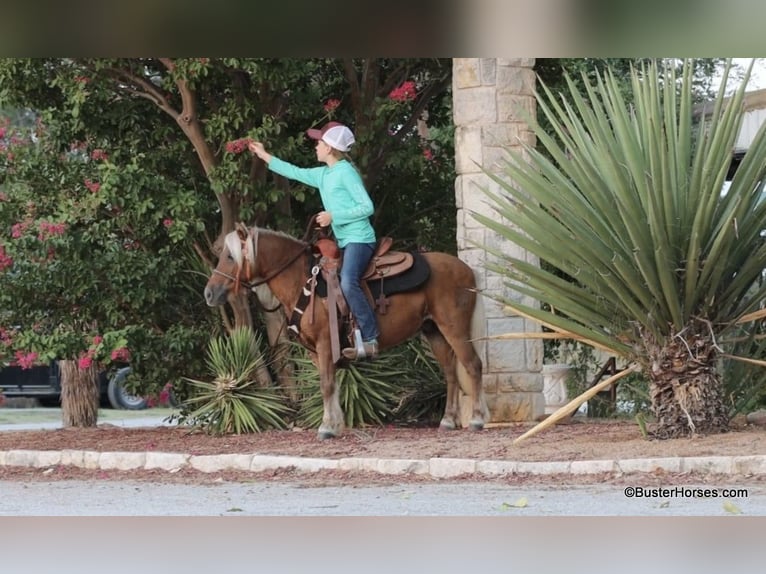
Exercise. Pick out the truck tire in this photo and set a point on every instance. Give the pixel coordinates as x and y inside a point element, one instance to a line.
<point>119,398</point>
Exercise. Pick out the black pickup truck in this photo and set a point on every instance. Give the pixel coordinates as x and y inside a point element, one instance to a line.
<point>43,382</point>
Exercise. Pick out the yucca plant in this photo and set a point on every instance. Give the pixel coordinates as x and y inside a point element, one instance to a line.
<point>233,402</point>
<point>664,267</point>
<point>368,390</point>
<point>422,393</point>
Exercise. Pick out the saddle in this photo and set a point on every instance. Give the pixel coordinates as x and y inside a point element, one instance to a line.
<point>383,265</point>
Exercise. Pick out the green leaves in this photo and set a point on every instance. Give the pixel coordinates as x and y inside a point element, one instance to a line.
<point>233,402</point>
<point>626,203</point>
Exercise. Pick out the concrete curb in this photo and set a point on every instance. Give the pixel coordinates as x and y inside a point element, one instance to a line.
<point>434,467</point>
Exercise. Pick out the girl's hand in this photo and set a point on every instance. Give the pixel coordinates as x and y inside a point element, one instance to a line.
<point>324,218</point>
<point>258,149</point>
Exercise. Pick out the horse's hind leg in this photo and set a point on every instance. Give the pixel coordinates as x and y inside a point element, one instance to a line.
<point>458,340</point>
<point>446,358</point>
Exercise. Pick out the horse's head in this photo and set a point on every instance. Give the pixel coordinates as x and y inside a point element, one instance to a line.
<point>236,265</point>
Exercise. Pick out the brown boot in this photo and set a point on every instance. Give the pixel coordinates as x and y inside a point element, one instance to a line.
<point>368,351</point>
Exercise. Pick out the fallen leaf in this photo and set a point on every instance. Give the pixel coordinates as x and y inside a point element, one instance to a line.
<point>520,503</point>
<point>731,508</point>
<point>665,504</point>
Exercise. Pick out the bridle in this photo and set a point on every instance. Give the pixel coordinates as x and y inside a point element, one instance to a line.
<point>251,285</point>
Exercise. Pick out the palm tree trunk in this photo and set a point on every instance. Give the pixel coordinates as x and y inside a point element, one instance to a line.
<point>686,389</point>
<point>79,394</point>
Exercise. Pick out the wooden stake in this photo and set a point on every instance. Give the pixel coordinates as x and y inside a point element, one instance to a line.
<point>572,405</point>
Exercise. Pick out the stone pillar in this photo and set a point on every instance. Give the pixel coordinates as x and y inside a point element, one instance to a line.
<point>487,94</point>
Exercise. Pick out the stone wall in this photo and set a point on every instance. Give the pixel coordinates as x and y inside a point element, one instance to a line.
<point>487,96</point>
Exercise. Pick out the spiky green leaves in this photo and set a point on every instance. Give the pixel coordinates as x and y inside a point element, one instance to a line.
<point>627,203</point>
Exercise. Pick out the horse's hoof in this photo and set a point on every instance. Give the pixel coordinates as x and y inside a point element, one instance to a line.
<point>447,426</point>
<point>476,425</point>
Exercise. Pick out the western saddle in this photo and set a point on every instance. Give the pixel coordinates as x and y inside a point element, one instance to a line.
<point>383,264</point>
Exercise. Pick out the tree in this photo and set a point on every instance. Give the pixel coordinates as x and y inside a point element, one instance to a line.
<point>139,163</point>
<point>93,244</point>
<point>665,268</point>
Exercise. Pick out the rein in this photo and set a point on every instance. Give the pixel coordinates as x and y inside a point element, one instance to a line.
<point>253,284</point>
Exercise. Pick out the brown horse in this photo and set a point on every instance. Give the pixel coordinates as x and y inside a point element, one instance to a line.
<point>441,308</point>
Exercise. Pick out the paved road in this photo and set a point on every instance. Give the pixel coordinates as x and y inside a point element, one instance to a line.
<point>130,498</point>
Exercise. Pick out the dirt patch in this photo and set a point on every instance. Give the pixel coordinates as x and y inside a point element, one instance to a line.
<point>579,440</point>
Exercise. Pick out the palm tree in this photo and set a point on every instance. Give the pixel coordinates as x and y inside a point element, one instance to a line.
<point>661,268</point>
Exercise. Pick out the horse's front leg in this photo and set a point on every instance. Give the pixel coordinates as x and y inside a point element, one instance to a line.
<point>332,419</point>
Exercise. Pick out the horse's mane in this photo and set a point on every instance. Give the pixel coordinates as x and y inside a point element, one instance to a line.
<point>233,242</point>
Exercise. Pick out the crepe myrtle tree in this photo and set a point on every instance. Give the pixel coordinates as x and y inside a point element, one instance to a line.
<point>181,124</point>
<point>91,272</point>
<point>660,267</point>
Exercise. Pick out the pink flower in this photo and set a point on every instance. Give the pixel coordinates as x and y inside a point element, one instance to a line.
<point>48,229</point>
<point>331,105</point>
<point>428,154</point>
<point>6,260</point>
<point>93,186</point>
<point>404,93</point>
<point>97,340</point>
<point>25,360</point>
<point>82,79</point>
<point>3,196</point>
<point>164,396</point>
<point>98,154</point>
<point>18,229</point>
<point>237,146</point>
<point>122,354</point>
<point>167,222</point>
<point>84,363</point>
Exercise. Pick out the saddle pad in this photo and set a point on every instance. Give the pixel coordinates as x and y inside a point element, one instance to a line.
<point>410,279</point>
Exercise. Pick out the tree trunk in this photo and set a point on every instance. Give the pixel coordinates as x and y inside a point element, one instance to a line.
<point>279,342</point>
<point>79,395</point>
<point>686,389</point>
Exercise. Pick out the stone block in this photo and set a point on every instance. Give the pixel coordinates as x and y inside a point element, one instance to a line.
<point>520,382</point>
<point>515,407</point>
<point>708,464</point>
<point>451,467</point>
<point>513,108</point>
<point>496,467</point>
<point>219,462</point>
<point>475,106</point>
<point>166,460</point>
<point>521,81</point>
<point>669,464</point>
<point>358,464</point>
<point>552,467</point>
<point>81,458</point>
<point>516,62</point>
<point>466,73</point>
<point>402,466</point>
<point>488,71</point>
<point>32,458</point>
<point>749,465</point>
<point>592,466</point>
<point>121,460</point>
<point>468,149</point>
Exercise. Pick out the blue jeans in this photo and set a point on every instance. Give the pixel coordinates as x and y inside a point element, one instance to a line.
<point>356,257</point>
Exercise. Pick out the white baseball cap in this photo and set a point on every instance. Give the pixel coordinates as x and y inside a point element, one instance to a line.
<point>334,134</point>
